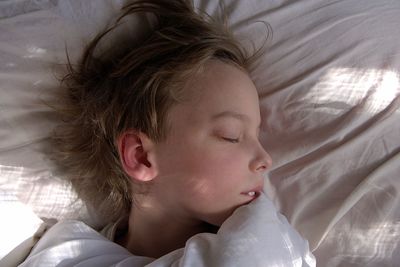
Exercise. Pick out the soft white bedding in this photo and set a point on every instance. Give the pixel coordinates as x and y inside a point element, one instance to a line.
<point>330,95</point>
<point>265,239</point>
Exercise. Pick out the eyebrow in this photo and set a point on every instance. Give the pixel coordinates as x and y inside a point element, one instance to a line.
<point>233,114</point>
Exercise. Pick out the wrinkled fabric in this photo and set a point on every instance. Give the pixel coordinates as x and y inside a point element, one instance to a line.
<point>255,235</point>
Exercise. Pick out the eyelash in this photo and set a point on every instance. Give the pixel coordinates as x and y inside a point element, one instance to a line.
<point>231,140</point>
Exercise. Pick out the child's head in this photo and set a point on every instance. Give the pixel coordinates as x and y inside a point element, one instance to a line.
<point>211,159</point>
<point>161,117</point>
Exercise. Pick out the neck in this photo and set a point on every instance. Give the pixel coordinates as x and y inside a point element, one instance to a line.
<point>153,234</point>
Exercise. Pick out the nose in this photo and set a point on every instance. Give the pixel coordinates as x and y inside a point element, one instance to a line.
<point>262,160</point>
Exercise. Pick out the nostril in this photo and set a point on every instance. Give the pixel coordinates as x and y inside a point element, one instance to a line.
<point>262,168</point>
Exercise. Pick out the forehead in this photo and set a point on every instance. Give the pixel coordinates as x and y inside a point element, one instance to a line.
<point>219,91</point>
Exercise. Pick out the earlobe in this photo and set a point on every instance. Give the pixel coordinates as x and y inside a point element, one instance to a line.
<point>134,150</point>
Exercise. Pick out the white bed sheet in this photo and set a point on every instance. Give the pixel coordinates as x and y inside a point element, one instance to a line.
<point>330,95</point>
<point>265,239</point>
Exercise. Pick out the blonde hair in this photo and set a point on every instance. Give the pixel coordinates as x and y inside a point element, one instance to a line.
<point>111,92</point>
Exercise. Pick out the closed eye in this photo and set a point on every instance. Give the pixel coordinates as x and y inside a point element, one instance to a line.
<point>232,140</point>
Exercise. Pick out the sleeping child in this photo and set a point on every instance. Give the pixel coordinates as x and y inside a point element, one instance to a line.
<point>160,136</point>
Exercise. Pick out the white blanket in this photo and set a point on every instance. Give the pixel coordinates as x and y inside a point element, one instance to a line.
<point>255,235</point>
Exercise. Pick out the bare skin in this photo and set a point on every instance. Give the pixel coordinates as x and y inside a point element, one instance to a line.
<point>210,163</point>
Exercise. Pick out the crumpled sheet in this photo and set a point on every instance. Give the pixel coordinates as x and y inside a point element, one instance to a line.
<point>255,235</point>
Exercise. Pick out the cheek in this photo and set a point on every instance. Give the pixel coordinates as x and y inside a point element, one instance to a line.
<point>207,158</point>
<point>210,169</point>
<point>205,164</point>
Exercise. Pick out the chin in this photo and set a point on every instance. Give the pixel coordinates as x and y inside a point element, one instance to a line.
<point>219,219</point>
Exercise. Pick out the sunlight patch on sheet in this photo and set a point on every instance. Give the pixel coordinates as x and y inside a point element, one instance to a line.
<point>70,248</point>
<point>21,223</point>
<point>48,195</point>
<point>26,195</point>
<point>34,52</point>
<point>343,88</point>
<point>38,82</point>
<point>10,65</point>
<point>377,242</point>
<point>8,175</point>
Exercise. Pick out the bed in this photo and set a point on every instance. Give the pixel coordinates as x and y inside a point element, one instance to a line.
<point>329,86</point>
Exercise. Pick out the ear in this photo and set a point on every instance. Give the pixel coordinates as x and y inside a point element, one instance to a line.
<point>136,155</point>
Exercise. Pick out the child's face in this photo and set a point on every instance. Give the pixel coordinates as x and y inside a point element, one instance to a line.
<point>212,160</point>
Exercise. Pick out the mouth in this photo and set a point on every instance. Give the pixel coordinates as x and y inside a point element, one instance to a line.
<point>254,193</point>
<point>251,193</point>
